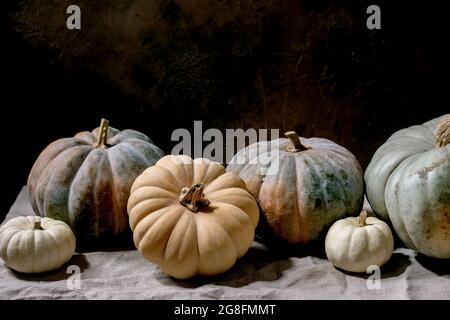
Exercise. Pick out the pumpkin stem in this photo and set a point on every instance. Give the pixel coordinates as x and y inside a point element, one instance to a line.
<point>362,219</point>
<point>102,134</point>
<point>443,133</point>
<point>295,144</point>
<point>37,225</point>
<point>193,198</point>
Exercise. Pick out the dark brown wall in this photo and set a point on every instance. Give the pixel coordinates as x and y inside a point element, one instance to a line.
<point>309,66</point>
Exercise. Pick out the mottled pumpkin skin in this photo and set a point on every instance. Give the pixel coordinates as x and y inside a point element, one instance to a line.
<point>301,193</point>
<point>408,183</point>
<point>88,187</point>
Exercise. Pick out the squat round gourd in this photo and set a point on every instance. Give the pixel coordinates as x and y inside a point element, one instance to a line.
<point>356,243</point>
<point>302,185</point>
<point>408,183</point>
<point>191,216</point>
<point>33,244</point>
<point>85,181</point>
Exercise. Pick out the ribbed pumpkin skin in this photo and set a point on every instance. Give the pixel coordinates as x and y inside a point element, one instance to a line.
<point>408,183</point>
<point>182,242</point>
<point>355,248</point>
<point>88,187</point>
<point>27,250</point>
<point>310,190</point>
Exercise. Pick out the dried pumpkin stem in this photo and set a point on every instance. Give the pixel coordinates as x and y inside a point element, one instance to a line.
<point>295,144</point>
<point>193,198</point>
<point>102,134</point>
<point>443,133</point>
<point>362,219</point>
<point>37,225</point>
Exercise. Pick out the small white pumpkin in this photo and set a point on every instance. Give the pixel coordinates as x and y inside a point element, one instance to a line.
<point>355,243</point>
<point>33,244</point>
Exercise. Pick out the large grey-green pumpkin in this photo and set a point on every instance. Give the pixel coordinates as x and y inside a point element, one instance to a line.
<point>86,180</point>
<point>408,182</point>
<point>302,185</point>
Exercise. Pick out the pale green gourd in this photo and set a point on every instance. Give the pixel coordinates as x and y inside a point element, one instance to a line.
<point>408,183</point>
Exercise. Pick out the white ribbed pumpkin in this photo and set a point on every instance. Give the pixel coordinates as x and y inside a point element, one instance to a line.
<point>33,244</point>
<point>355,243</point>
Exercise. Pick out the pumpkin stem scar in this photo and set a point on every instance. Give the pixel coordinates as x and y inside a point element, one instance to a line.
<point>295,144</point>
<point>193,198</point>
<point>362,219</point>
<point>102,134</point>
<point>443,133</point>
<point>37,225</point>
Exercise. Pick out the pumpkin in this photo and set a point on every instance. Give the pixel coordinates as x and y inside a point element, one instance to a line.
<point>191,216</point>
<point>408,183</point>
<point>302,185</point>
<point>33,244</point>
<point>355,243</point>
<point>85,181</point>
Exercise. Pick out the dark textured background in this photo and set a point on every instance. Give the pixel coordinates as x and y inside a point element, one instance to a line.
<point>306,65</point>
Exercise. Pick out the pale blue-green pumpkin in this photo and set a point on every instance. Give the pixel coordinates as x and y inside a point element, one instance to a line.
<point>408,183</point>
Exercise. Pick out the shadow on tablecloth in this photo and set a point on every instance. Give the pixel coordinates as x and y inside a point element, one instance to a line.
<point>63,273</point>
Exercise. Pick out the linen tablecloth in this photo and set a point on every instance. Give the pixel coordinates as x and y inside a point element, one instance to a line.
<point>260,274</point>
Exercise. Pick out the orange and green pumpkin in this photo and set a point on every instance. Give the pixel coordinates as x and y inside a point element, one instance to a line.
<point>85,181</point>
<point>302,185</point>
